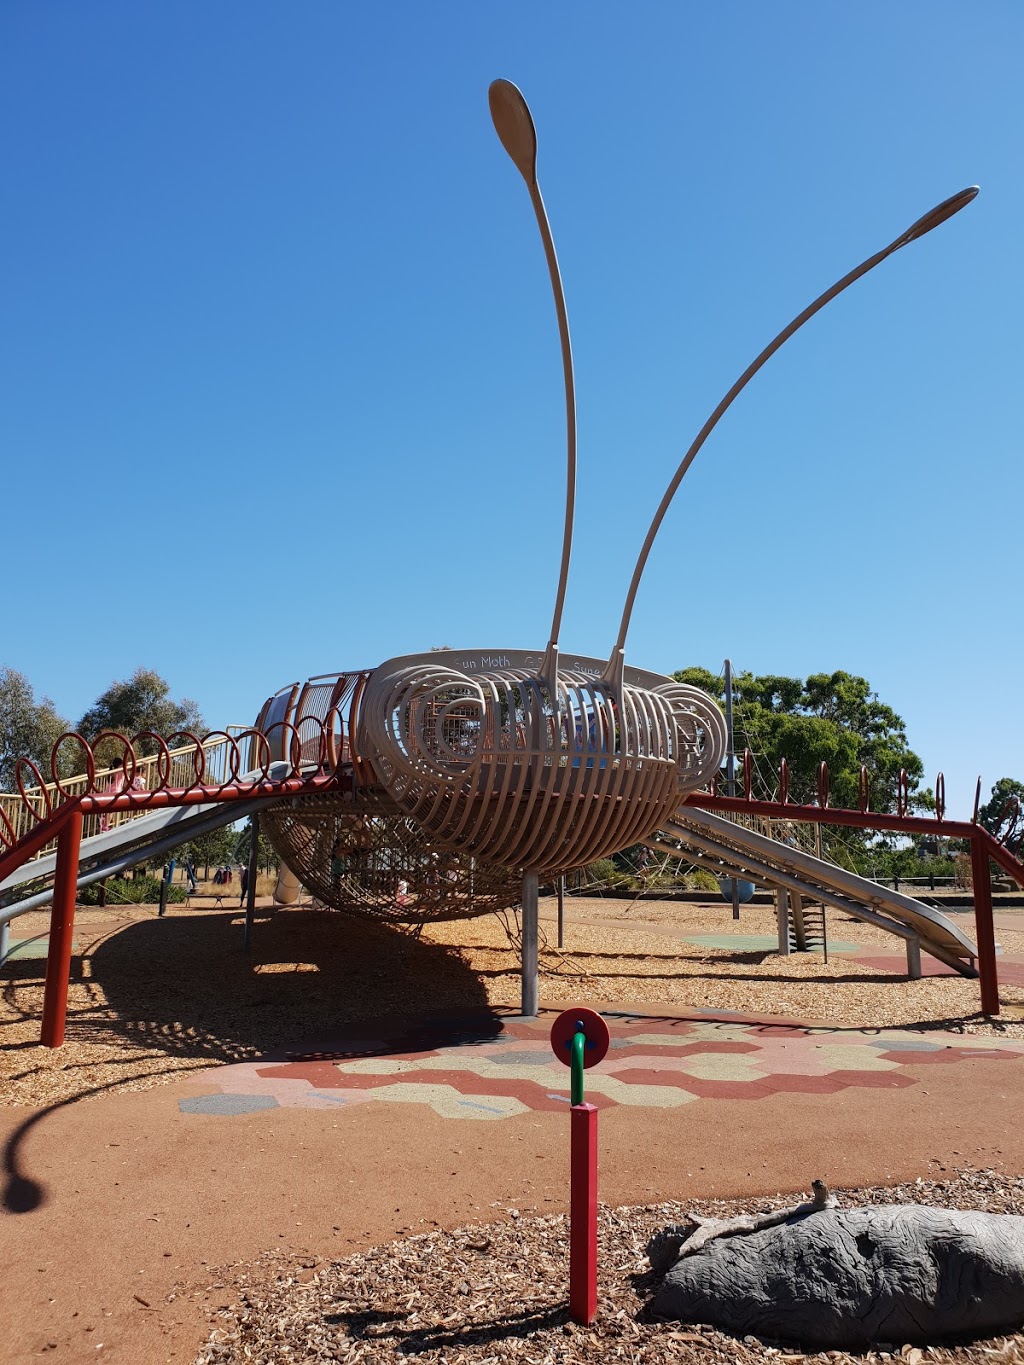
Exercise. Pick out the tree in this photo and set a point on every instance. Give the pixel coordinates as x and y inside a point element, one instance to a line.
<point>1001,814</point>
<point>143,702</point>
<point>830,717</point>
<point>28,728</point>
<point>834,717</point>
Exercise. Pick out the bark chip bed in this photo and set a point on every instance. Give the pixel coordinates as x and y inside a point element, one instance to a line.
<point>484,1295</point>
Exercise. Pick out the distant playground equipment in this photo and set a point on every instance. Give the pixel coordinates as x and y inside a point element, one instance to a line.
<point>744,890</point>
<point>446,784</point>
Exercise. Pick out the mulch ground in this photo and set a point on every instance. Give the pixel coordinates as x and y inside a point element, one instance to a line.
<point>151,998</point>
<point>483,1295</point>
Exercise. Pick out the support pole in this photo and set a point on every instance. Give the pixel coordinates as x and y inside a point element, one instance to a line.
<point>529,958</point>
<point>796,910</point>
<point>583,1214</point>
<point>561,912</point>
<point>984,929</point>
<point>5,940</point>
<point>914,959</point>
<point>62,928</point>
<point>730,768</point>
<point>250,885</point>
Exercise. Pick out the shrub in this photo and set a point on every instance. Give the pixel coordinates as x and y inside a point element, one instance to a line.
<point>605,873</point>
<point>133,891</point>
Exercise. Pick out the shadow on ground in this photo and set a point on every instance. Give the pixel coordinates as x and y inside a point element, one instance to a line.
<point>314,981</point>
<point>316,984</point>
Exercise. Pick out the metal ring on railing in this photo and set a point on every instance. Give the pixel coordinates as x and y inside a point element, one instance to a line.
<point>163,758</point>
<point>90,762</point>
<point>234,758</point>
<point>198,756</point>
<point>126,751</point>
<point>748,775</point>
<point>940,796</point>
<point>864,789</point>
<point>293,746</point>
<point>902,793</point>
<point>318,728</point>
<point>38,800</point>
<point>7,834</point>
<point>259,740</point>
<point>823,785</point>
<point>25,798</point>
<point>783,781</point>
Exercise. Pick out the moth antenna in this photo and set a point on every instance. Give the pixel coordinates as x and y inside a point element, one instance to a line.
<point>514,125</point>
<point>932,219</point>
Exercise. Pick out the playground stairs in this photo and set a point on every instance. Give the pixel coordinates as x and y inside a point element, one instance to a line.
<point>805,927</point>
<point>804,882</point>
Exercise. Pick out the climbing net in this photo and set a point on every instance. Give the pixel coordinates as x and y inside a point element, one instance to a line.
<point>362,855</point>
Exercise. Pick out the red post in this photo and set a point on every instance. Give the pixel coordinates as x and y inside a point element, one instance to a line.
<point>62,927</point>
<point>984,928</point>
<point>583,1214</point>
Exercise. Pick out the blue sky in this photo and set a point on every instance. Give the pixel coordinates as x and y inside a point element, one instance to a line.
<point>281,388</point>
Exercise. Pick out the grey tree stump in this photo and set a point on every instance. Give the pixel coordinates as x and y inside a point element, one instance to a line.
<point>847,1278</point>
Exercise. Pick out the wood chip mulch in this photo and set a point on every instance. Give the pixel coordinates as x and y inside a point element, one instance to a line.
<point>152,999</point>
<point>494,1293</point>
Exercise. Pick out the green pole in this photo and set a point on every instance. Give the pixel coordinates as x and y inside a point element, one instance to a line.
<point>579,1042</point>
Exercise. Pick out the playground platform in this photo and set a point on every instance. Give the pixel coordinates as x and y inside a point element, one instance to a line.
<point>120,1209</point>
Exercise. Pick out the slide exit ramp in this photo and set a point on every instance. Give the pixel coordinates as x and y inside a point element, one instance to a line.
<point>733,849</point>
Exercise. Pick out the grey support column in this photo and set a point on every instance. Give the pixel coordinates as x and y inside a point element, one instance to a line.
<point>914,959</point>
<point>730,768</point>
<point>250,888</point>
<point>561,911</point>
<point>529,962</point>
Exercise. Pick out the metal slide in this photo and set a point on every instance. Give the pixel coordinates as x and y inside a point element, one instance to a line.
<point>729,848</point>
<point>105,855</point>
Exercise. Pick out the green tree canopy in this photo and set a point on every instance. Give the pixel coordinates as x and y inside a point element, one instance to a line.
<point>28,728</point>
<point>142,702</point>
<point>999,814</point>
<point>835,717</point>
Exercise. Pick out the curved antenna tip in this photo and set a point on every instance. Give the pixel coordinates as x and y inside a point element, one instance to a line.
<point>939,214</point>
<point>514,125</point>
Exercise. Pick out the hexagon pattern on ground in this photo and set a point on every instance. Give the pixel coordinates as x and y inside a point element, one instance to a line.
<point>657,1063</point>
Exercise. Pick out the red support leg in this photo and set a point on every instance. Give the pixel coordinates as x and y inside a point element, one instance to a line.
<point>984,928</point>
<point>583,1214</point>
<point>62,927</point>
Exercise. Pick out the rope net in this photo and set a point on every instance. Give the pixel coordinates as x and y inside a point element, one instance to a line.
<point>361,855</point>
